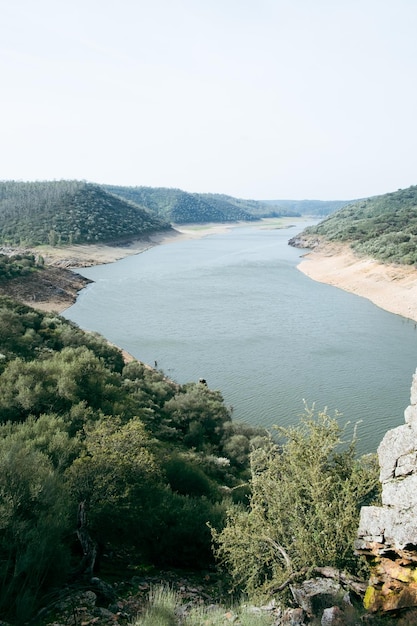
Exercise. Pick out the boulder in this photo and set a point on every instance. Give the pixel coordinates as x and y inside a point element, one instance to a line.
<point>316,594</point>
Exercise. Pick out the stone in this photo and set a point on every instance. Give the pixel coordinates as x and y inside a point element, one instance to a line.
<point>397,442</point>
<point>333,616</point>
<point>400,493</point>
<point>316,594</point>
<point>293,617</point>
<point>406,464</point>
<point>413,392</point>
<point>410,414</point>
<point>387,535</point>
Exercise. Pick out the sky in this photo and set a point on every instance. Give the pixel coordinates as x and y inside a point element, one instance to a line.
<point>263,99</point>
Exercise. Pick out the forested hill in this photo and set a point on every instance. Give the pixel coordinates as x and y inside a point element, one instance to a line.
<point>182,207</point>
<point>383,227</point>
<point>54,212</point>
<point>319,208</point>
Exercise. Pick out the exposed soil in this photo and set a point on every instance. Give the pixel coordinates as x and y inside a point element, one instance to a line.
<point>49,288</point>
<point>390,286</point>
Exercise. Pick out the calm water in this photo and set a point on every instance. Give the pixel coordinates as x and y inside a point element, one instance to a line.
<point>233,308</point>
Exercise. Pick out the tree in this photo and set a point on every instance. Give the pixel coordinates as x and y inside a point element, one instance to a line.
<point>113,475</point>
<point>304,507</point>
<point>196,416</point>
<point>33,523</point>
<point>57,383</point>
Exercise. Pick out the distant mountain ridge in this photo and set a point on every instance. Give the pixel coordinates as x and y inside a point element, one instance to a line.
<point>383,227</point>
<point>318,208</point>
<point>77,212</point>
<point>182,207</point>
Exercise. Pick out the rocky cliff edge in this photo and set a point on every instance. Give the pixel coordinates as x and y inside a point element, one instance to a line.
<point>387,534</point>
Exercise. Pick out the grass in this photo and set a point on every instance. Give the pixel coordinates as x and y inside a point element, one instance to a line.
<point>166,608</point>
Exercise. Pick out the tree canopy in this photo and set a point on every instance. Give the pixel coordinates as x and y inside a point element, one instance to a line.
<point>66,212</point>
<point>383,227</point>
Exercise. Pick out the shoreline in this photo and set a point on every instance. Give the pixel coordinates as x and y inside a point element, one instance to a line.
<point>87,255</point>
<point>388,286</point>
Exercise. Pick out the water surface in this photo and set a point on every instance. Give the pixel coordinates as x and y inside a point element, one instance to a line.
<point>233,309</point>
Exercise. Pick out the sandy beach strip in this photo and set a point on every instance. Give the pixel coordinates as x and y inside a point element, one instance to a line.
<point>77,256</point>
<point>390,287</point>
<point>86,255</point>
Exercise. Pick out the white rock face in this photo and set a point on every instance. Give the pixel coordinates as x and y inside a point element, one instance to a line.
<point>387,534</point>
<point>394,525</point>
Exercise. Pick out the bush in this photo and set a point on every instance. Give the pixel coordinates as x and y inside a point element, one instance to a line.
<point>304,508</point>
<point>33,523</point>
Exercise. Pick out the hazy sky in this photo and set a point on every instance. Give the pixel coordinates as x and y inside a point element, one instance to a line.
<point>253,98</point>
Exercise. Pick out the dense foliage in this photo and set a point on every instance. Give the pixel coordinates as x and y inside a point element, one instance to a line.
<point>181,207</point>
<point>61,212</point>
<point>156,470</point>
<point>383,227</point>
<point>17,266</point>
<point>306,495</point>
<point>151,461</point>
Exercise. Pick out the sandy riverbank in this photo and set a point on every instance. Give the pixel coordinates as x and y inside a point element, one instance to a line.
<point>77,256</point>
<point>391,287</point>
<point>97,254</point>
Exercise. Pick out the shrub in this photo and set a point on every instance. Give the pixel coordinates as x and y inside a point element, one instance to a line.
<point>304,508</point>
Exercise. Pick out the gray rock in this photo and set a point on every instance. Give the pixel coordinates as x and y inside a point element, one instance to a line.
<point>372,524</point>
<point>387,535</point>
<point>410,414</point>
<point>397,443</point>
<point>293,617</point>
<point>332,616</point>
<point>400,493</point>
<point>413,393</point>
<point>317,593</point>
<point>406,464</point>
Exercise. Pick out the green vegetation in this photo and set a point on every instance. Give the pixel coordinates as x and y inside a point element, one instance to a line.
<point>66,212</point>
<point>318,208</point>
<point>99,455</point>
<point>165,608</point>
<point>150,461</point>
<point>17,266</point>
<point>70,212</point>
<point>181,207</point>
<point>383,227</point>
<point>304,506</point>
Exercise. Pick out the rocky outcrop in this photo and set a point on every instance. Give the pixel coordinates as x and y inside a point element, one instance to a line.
<point>387,534</point>
<point>305,241</point>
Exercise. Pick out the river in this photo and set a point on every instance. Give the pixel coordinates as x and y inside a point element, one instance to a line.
<point>233,308</point>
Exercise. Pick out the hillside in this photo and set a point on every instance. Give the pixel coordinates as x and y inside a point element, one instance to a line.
<point>382,227</point>
<point>318,208</point>
<point>61,212</point>
<point>181,207</point>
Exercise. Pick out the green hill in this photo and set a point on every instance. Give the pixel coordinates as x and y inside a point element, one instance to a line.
<point>55,212</point>
<point>383,227</point>
<point>182,207</point>
<point>319,208</point>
